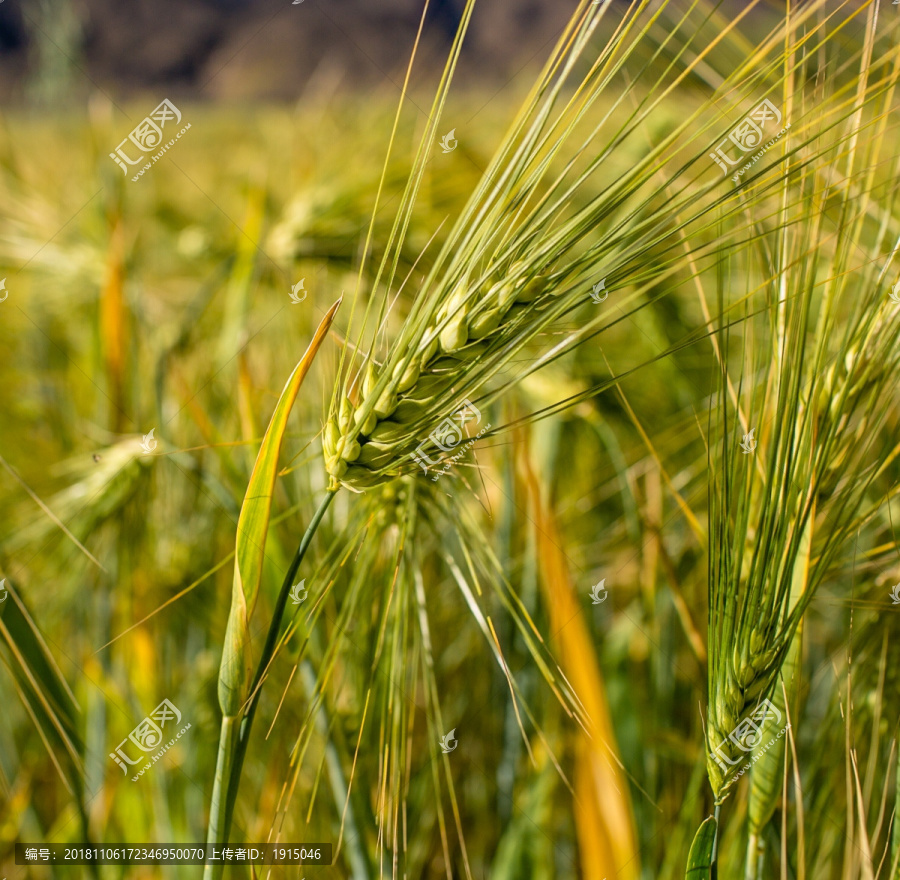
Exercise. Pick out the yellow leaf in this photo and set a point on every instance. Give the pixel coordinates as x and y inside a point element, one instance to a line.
<point>603,816</point>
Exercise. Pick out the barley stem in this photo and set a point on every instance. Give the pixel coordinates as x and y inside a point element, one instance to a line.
<point>236,731</point>
<point>217,812</point>
<point>714,866</point>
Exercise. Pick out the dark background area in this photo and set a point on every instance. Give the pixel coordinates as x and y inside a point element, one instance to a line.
<point>52,51</point>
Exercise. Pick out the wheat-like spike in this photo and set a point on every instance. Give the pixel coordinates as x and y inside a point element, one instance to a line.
<point>371,442</point>
<point>537,247</point>
<point>821,411</point>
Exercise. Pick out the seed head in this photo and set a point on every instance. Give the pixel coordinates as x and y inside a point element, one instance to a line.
<point>399,402</point>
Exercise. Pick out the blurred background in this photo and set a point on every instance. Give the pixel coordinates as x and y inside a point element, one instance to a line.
<point>233,50</point>
<point>250,49</point>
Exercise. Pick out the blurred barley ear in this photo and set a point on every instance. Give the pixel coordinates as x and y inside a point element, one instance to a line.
<point>57,33</point>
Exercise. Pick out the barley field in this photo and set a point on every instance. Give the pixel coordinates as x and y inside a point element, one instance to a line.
<point>458,478</point>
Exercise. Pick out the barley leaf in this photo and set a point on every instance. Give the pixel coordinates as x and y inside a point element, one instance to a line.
<point>603,812</point>
<point>702,854</point>
<point>895,831</point>
<point>253,526</point>
<point>45,693</point>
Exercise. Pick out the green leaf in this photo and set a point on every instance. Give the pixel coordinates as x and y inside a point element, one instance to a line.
<point>253,527</point>
<point>702,855</point>
<point>44,691</point>
<point>895,831</point>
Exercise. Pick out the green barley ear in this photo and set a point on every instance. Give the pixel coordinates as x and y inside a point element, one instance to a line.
<point>768,509</point>
<point>820,357</point>
<point>534,238</point>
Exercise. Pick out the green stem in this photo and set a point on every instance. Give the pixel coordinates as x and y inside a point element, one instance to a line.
<point>217,813</point>
<point>236,730</point>
<point>714,867</point>
<point>756,849</point>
